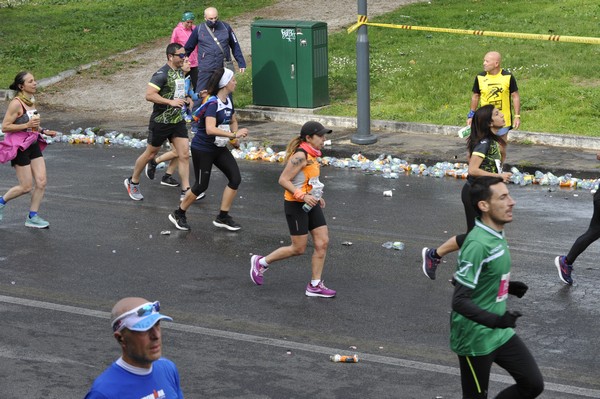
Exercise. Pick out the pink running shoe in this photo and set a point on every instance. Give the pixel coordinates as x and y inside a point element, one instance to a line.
<point>320,290</point>
<point>256,269</point>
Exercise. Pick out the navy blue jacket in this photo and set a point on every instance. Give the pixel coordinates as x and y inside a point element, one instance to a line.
<point>210,56</point>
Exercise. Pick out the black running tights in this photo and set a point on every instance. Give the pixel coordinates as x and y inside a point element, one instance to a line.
<point>513,357</point>
<point>470,212</point>
<point>222,159</point>
<point>591,235</point>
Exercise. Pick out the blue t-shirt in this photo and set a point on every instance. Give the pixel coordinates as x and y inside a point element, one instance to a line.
<point>117,383</point>
<point>223,112</point>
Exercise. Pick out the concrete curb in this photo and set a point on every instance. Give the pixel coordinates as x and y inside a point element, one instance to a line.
<point>302,115</point>
<point>292,115</point>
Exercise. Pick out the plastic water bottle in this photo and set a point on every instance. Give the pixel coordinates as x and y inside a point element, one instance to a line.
<point>317,193</point>
<point>344,359</point>
<point>464,132</point>
<point>397,245</point>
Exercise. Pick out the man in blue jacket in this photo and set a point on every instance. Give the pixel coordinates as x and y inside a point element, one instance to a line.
<point>216,41</point>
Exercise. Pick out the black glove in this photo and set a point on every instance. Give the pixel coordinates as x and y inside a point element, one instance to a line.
<point>517,288</point>
<point>508,319</point>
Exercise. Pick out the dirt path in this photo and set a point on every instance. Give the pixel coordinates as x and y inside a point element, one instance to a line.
<point>120,93</point>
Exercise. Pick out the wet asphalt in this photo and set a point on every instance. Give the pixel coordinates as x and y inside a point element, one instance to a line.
<point>231,339</point>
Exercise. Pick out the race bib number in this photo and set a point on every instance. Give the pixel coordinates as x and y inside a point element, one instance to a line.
<point>503,290</point>
<point>179,88</point>
<point>221,141</point>
<point>317,187</point>
<point>315,183</point>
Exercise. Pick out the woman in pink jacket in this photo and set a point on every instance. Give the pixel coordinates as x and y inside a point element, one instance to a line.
<point>180,35</point>
<point>22,146</point>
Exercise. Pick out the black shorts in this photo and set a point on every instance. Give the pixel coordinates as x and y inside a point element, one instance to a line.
<point>158,133</point>
<point>300,222</point>
<point>24,157</point>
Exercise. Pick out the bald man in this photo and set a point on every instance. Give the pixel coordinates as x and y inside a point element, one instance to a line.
<point>498,87</point>
<point>140,372</point>
<point>216,42</point>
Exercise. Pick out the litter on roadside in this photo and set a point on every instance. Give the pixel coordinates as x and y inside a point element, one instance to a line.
<point>344,358</point>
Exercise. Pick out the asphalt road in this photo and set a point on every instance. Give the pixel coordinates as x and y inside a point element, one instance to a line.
<point>232,339</point>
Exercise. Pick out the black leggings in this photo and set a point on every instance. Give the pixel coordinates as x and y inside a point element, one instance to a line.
<point>222,159</point>
<point>513,357</point>
<point>470,212</point>
<point>591,235</point>
<point>193,74</point>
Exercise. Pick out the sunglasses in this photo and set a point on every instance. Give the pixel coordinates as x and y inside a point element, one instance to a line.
<point>148,309</point>
<point>180,55</point>
<point>145,310</point>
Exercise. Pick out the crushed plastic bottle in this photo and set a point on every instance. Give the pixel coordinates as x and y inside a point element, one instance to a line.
<point>397,245</point>
<point>389,166</point>
<point>344,358</point>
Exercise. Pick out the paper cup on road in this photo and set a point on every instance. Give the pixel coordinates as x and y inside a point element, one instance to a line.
<point>387,193</point>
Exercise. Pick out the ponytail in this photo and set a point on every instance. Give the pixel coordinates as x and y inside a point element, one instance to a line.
<point>19,80</point>
<point>292,147</point>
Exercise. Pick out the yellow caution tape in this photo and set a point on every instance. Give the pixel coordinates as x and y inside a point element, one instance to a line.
<point>362,20</point>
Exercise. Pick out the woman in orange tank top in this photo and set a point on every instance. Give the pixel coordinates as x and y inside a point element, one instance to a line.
<point>303,205</point>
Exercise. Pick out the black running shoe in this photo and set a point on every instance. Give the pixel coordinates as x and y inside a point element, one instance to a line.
<point>226,223</point>
<point>168,180</point>
<point>179,220</point>
<point>151,169</point>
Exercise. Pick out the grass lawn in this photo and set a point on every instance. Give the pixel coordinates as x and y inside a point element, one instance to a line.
<point>415,76</point>
<point>427,77</point>
<point>51,36</point>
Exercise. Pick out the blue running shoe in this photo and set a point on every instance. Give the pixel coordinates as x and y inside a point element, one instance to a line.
<point>430,263</point>
<point>564,269</point>
<point>36,222</point>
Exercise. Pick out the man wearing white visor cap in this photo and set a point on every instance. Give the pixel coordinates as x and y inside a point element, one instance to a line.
<point>140,372</point>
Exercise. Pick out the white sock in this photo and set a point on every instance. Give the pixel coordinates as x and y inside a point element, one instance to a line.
<point>314,282</point>
<point>263,262</point>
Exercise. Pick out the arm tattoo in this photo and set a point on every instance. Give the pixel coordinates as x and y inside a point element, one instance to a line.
<point>296,161</point>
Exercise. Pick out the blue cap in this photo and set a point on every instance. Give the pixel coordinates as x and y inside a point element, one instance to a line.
<point>141,318</point>
<point>147,322</point>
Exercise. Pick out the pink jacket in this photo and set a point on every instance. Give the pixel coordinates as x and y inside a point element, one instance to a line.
<point>181,35</point>
<point>16,141</point>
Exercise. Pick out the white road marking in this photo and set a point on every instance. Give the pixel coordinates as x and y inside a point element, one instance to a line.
<point>391,361</point>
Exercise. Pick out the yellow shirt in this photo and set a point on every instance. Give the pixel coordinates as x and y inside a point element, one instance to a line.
<point>497,90</point>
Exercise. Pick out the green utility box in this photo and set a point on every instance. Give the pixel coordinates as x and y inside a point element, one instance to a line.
<point>289,63</point>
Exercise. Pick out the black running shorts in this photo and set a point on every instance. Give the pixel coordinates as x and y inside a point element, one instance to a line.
<point>158,133</point>
<point>300,222</point>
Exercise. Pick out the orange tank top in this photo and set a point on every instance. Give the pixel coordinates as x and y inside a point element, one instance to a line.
<point>309,174</point>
